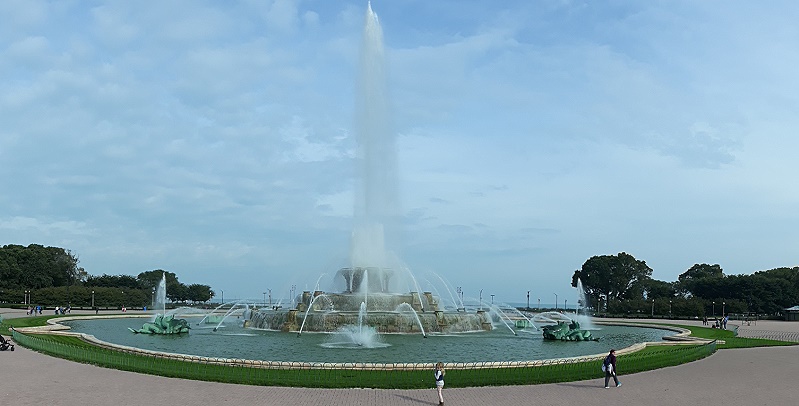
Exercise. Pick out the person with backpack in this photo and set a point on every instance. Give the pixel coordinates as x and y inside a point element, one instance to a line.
<point>439,375</point>
<point>609,366</point>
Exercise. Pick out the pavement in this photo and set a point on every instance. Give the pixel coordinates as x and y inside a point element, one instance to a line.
<point>757,376</point>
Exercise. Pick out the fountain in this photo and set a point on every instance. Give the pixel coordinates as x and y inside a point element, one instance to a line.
<point>374,293</point>
<point>163,323</point>
<point>375,276</point>
<point>560,326</point>
<point>583,313</point>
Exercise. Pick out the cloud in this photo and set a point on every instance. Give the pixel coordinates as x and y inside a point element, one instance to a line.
<point>203,138</point>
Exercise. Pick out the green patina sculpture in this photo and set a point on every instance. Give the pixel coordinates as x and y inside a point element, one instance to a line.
<point>164,325</point>
<point>567,332</point>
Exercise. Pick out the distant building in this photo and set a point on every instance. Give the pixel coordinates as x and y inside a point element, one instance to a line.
<point>792,313</point>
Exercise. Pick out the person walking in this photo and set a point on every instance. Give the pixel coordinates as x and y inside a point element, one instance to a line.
<point>609,365</point>
<point>439,375</point>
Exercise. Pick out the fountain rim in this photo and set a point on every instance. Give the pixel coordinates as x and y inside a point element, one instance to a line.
<point>56,328</point>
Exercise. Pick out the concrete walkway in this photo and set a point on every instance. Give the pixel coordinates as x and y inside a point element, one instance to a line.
<point>759,376</point>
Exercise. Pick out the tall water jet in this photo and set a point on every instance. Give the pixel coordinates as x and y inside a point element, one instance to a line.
<point>376,207</point>
<point>375,276</point>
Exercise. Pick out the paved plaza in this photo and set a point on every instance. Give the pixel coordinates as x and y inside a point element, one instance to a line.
<point>758,376</point>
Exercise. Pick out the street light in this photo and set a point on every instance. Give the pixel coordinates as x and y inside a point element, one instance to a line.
<point>722,308</point>
<point>556,302</point>
<point>270,297</point>
<point>492,300</point>
<point>565,306</point>
<point>653,307</point>
<point>714,309</point>
<point>539,304</point>
<point>481,299</point>
<point>669,308</point>
<point>528,300</point>
<point>92,299</point>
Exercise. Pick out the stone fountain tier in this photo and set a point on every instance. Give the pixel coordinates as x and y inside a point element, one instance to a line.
<point>374,279</point>
<point>320,301</point>
<point>382,321</point>
<point>387,313</point>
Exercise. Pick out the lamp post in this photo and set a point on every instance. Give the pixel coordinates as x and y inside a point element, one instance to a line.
<point>459,290</point>
<point>270,297</point>
<point>25,299</point>
<point>481,299</point>
<point>92,299</point>
<point>528,300</point>
<point>653,307</point>
<point>714,309</point>
<point>669,308</point>
<point>223,296</point>
<point>556,301</point>
<point>722,308</point>
<point>492,300</point>
<point>565,304</point>
<point>539,304</point>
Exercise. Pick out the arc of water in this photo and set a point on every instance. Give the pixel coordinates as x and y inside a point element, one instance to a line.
<point>447,286</point>
<point>236,305</point>
<point>213,311</point>
<point>308,310</point>
<point>500,313</point>
<point>529,322</point>
<point>405,305</point>
<point>319,279</point>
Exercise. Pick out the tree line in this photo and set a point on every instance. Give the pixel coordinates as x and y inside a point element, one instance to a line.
<point>621,284</point>
<point>39,275</point>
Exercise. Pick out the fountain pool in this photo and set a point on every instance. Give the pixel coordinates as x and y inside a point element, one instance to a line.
<point>235,341</point>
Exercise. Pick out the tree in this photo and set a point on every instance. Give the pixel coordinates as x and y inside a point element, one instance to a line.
<point>113,281</point>
<point>659,289</point>
<point>613,278</point>
<point>688,280</point>
<point>151,279</point>
<point>199,293</point>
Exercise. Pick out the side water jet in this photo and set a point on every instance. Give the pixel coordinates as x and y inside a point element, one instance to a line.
<point>163,323</point>
<point>446,286</point>
<point>310,306</point>
<point>239,305</point>
<point>406,306</point>
<point>499,313</point>
<point>583,308</point>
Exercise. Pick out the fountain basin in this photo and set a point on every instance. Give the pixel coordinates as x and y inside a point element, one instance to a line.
<point>232,341</point>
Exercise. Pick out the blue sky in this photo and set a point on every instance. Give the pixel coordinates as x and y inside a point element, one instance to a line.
<point>214,139</point>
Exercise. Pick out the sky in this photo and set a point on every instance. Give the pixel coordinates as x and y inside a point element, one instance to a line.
<point>215,139</point>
